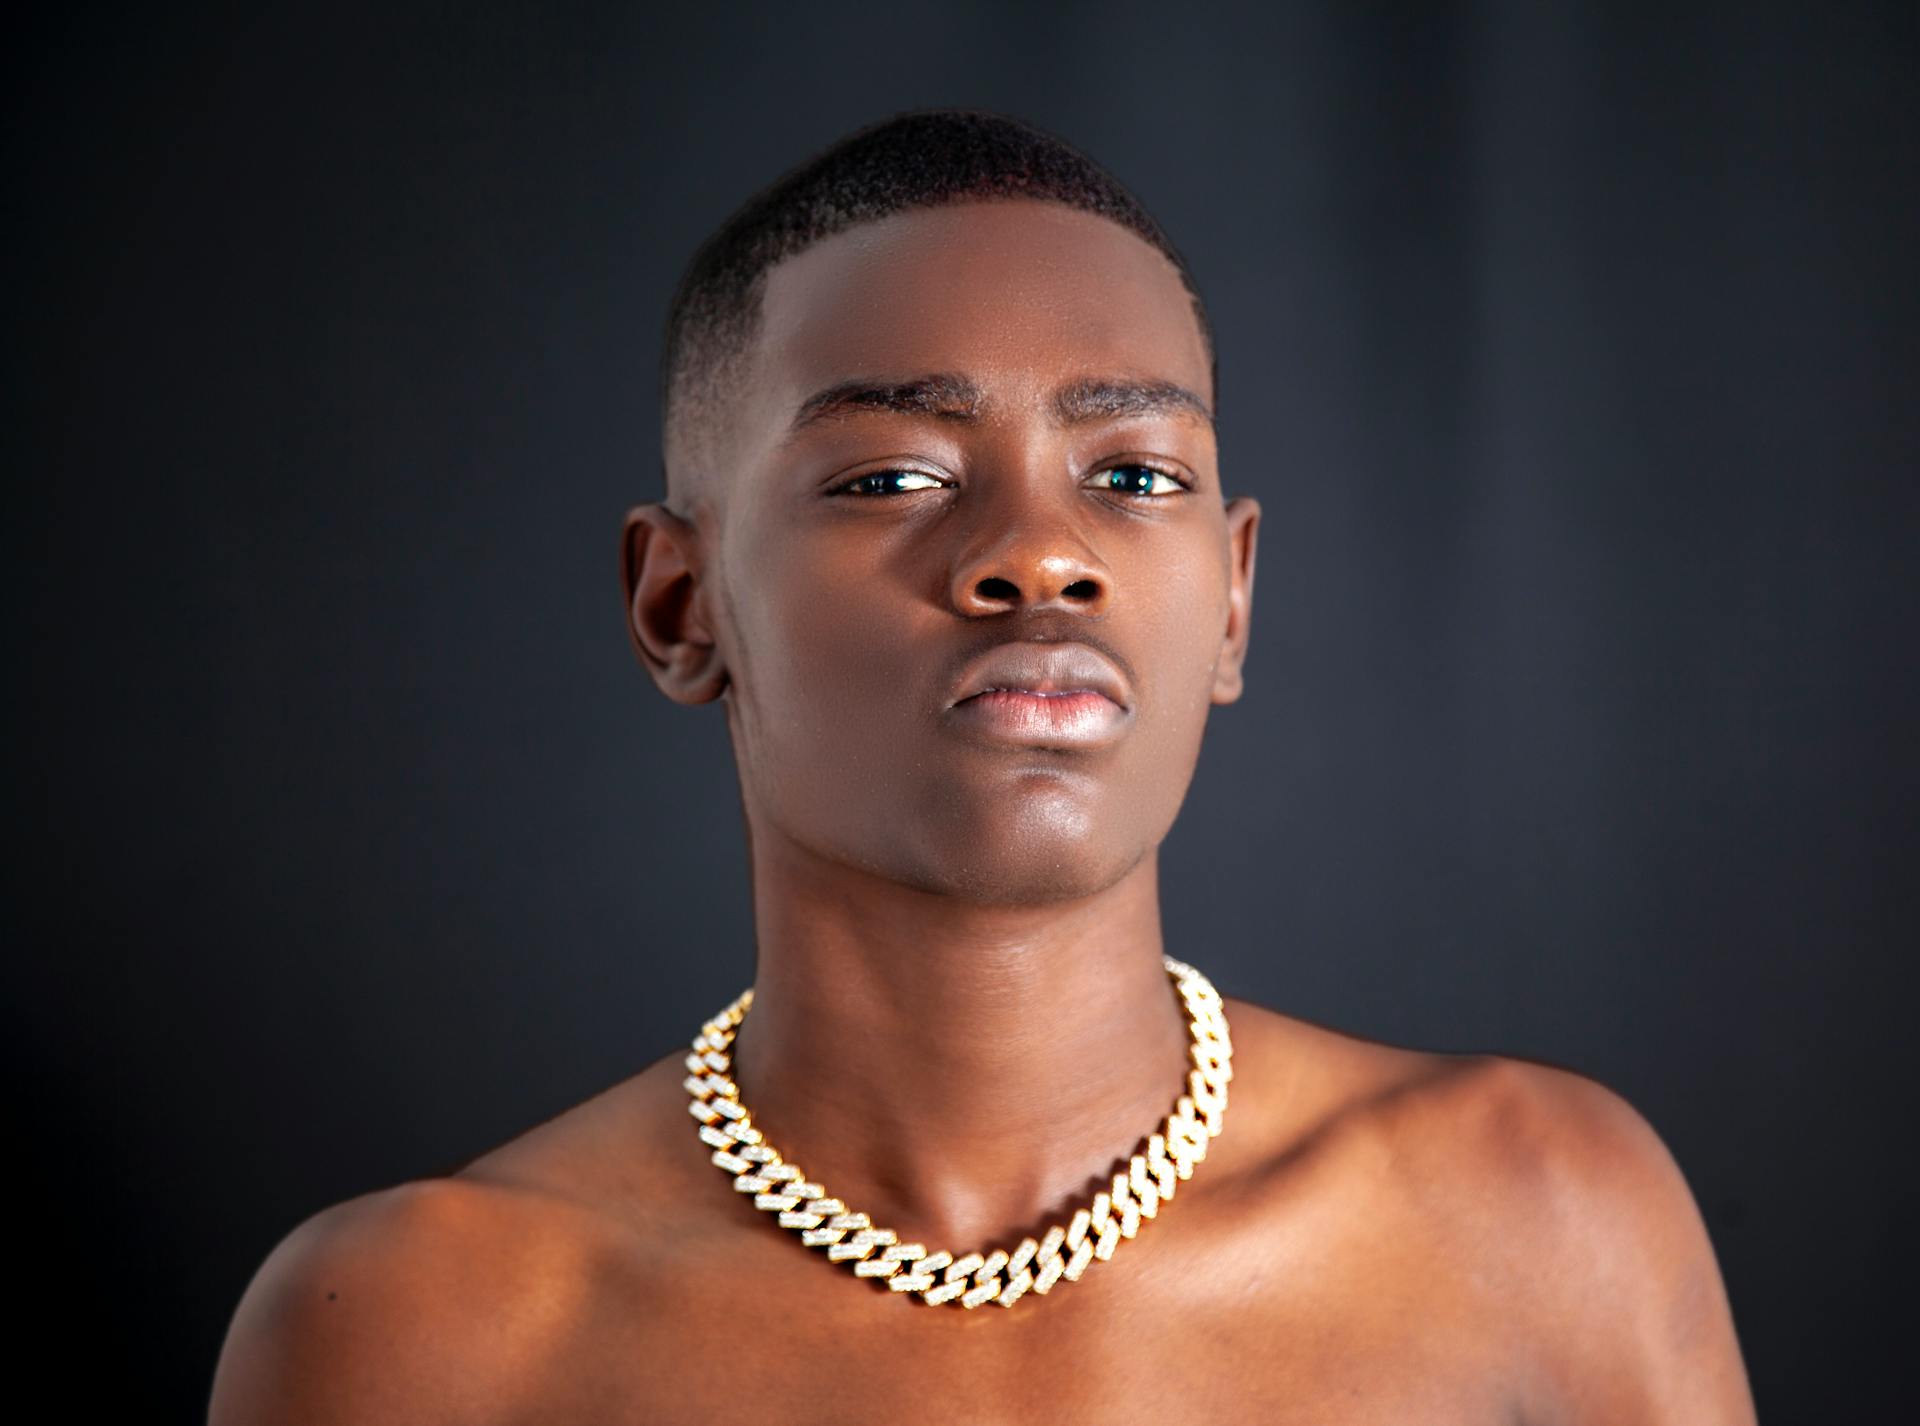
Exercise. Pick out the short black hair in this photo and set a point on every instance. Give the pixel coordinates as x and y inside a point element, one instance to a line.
<point>922,158</point>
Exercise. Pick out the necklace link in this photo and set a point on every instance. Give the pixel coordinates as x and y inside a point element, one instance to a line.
<point>1115,1215</point>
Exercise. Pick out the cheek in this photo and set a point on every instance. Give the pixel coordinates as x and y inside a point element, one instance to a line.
<point>1180,632</point>
<point>822,664</point>
<point>833,644</point>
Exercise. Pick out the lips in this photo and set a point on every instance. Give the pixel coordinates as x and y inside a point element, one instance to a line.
<point>1042,695</point>
<point>1051,668</point>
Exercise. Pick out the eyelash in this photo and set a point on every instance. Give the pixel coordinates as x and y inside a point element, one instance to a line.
<point>846,487</point>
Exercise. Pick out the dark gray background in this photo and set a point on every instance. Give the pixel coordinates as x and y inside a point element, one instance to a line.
<point>1572,355</point>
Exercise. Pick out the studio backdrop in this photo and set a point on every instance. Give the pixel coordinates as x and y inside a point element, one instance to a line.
<point>1570,350</point>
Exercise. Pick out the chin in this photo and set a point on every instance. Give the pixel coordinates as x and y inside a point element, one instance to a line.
<point>1012,881</point>
<point>1035,857</point>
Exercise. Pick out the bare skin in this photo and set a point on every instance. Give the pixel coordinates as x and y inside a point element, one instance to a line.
<point>961,1024</point>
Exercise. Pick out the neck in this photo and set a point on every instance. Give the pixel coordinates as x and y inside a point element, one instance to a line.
<point>960,1072</point>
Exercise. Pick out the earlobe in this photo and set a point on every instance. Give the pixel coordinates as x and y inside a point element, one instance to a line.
<point>1243,528</point>
<point>660,572</point>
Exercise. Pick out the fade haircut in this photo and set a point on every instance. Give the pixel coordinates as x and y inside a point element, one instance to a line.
<point>923,158</point>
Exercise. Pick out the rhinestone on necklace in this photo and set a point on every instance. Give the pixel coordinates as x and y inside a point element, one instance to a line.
<point>1037,1265</point>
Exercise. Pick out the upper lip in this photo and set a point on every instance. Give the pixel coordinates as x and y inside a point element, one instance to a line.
<point>1030,667</point>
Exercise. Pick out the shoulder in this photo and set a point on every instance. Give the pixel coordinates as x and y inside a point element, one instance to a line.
<point>1555,1164</point>
<point>461,1298</point>
<point>1596,1233</point>
<point>1545,1191</point>
<point>1470,1135</point>
<point>432,1301</point>
<point>1543,1141</point>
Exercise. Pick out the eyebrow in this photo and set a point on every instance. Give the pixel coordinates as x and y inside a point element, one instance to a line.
<point>954,397</point>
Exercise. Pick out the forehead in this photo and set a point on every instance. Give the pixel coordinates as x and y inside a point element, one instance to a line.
<point>1016,295</point>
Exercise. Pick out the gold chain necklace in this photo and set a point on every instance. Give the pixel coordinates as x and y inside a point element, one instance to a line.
<point>1096,1229</point>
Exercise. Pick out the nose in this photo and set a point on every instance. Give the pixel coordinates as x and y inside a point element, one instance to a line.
<point>1037,562</point>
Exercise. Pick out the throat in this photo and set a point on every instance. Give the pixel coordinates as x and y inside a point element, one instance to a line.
<point>972,1114</point>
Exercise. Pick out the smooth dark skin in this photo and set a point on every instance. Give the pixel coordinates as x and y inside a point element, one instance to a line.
<point>961,1023</point>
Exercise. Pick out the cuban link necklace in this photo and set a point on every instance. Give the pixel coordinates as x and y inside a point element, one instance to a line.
<point>1002,1276</point>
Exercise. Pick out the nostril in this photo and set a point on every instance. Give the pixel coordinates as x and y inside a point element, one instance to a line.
<point>993,589</point>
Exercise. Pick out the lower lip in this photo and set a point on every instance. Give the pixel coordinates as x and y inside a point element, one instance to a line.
<point>1078,719</point>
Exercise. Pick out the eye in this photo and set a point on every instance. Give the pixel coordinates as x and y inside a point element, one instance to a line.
<point>872,482</point>
<point>1132,478</point>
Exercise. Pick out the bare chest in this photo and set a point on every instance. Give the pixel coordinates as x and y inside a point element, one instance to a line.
<point>1188,1342</point>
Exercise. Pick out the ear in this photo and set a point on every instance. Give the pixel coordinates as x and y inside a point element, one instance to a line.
<point>1243,526</point>
<point>660,571</point>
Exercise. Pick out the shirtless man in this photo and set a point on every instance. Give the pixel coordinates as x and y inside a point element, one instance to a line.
<point>965,441</point>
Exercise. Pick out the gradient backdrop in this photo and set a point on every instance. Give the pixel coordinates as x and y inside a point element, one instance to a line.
<point>1570,348</point>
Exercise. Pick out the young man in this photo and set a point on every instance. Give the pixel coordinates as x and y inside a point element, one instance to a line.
<point>945,536</point>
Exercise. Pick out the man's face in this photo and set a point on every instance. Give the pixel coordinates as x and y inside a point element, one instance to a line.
<point>872,557</point>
